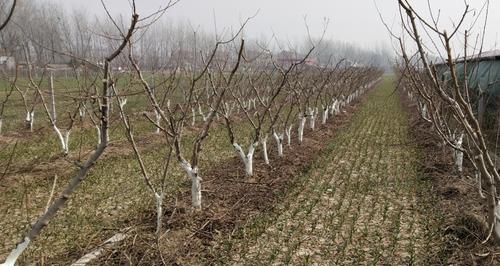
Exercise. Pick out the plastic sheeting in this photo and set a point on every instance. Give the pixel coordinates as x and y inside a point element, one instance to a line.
<point>483,75</point>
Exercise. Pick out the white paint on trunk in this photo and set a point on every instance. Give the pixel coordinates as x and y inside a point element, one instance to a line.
<point>228,109</point>
<point>15,253</point>
<point>288,133</point>
<point>158,121</point>
<point>195,184</point>
<point>459,155</point>
<point>203,116</point>
<point>52,99</point>
<point>122,103</point>
<point>63,139</point>
<point>30,117</point>
<point>424,111</point>
<point>497,220</point>
<point>312,118</point>
<point>246,158</point>
<point>300,132</point>
<point>279,142</point>
<point>193,114</point>
<point>1,123</point>
<point>332,107</point>
<point>337,107</point>
<point>264,149</point>
<point>325,115</point>
<point>96,253</point>
<point>81,112</point>
<point>159,211</point>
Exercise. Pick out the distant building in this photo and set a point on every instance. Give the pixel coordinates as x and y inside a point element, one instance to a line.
<point>7,63</point>
<point>58,67</point>
<point>287,58</point>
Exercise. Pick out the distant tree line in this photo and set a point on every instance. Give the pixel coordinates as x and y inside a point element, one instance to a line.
<point>43,32</point>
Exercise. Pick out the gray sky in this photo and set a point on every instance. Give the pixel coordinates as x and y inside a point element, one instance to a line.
<point>354,21</point>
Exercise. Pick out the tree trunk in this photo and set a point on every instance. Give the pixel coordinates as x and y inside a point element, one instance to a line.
<point>288,132</point>
<point>158,121</point>
<point>246,158</point>
<point>264,150</point>
<point>300,132</point>
<point>325,115</point>
<point>159,212</point>
<point>195,184</point>
<point>279,143</point>
<point>193,113</point>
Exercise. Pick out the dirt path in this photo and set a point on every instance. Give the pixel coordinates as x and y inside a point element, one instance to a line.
<point>361,203</point>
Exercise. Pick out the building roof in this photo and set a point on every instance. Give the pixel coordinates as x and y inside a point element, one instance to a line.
<point>483,71</point>
<point>483,56</point>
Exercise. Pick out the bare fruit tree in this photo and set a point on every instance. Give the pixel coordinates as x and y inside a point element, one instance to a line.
<point>80,175</point>
<point>445,101</point>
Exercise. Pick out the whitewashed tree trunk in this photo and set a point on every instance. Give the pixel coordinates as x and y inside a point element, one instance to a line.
<point>195,184</point>
<point>288,133</point>
<point>459,155</point>
<point>342,105</point>
<point>14,254</point>
<point>193,113</point>
<point>312,118</point>
<point>97,252</point>
<point>159,211</point>
<point>264,149</point>
<point>1,124</point>
<point>30,117</point>
<point>424,111</point>
<point>246,158</point>
<point>279,142</point>
<point>123,102</point>
<point>203,116</point>
<point>81,112</point>
<point>332,107</point>
<point>52,99</point>
<point>325,115</point>
<point>302,124</point>
<point>497,220</point>
<point>63,139</point>
<point>158,121</point>
<point>229,109</point>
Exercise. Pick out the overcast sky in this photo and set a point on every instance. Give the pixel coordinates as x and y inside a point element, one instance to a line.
<point>354,21</point>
